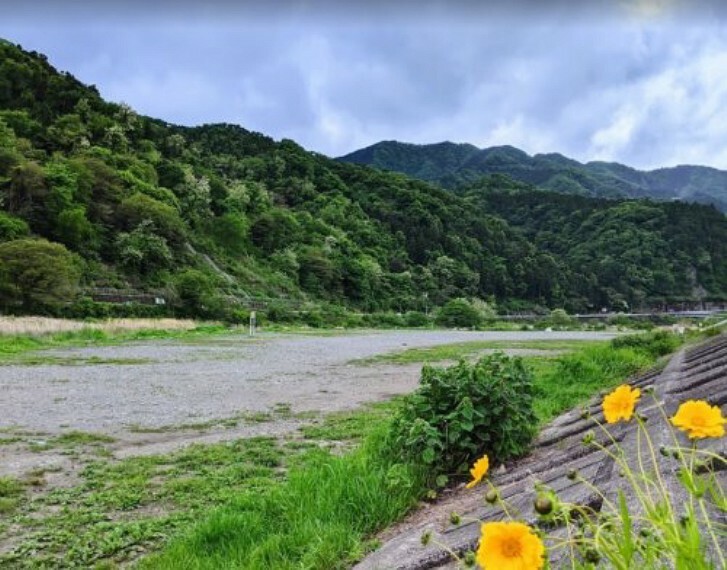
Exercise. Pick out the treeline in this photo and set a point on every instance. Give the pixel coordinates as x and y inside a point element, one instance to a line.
<point>453,165</point>
<point>94,195</point>
<point>621,254</point>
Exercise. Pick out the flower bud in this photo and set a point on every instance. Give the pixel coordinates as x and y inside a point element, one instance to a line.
<point>426,537</point>
<point>454,518</point>
<point>572,474</point>
<point>588,438</point>
<point>543,505</point>
<point>491,496</point>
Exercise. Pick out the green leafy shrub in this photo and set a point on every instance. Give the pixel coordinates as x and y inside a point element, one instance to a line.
<point>560,318</point>
<point>280,312</point>
<point>416,319</point>
<point>383,319</point>
<point>459,413</point>
<point>656,343</point>
<point>459,313</point>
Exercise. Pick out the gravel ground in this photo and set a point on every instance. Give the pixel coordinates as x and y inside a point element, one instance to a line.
<point>166,384</point>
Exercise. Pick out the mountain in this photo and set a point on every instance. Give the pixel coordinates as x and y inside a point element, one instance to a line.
<point>450,165</point>
<point>94,195</point>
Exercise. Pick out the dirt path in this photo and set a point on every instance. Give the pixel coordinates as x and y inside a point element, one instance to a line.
<point>155,397</point>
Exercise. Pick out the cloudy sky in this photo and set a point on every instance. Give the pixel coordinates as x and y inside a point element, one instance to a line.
<point>643,82</point>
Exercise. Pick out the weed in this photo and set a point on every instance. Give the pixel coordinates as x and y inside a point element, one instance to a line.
<point>10,491</point>
<point>467,350</point>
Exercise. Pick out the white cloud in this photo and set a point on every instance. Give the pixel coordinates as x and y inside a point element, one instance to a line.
<point>646,89</point>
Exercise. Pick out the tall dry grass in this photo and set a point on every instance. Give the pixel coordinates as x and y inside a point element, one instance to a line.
<point>38,326</point>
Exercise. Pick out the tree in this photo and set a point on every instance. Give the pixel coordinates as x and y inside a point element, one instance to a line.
<point>36,274</point>
<point>143,250</point>
<point>459,313</point>
<point>167,223</point>
<point>11,227</point>
<point>197,293</point>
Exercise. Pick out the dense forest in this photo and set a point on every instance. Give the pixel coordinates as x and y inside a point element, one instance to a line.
<point>451,165</point>
<point>93,195</point>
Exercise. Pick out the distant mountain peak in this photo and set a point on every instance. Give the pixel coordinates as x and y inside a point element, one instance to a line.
<point>454,164</point>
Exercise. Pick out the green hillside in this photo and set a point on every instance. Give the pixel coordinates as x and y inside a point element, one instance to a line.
<point>555,172</point>
<point>94,195</point>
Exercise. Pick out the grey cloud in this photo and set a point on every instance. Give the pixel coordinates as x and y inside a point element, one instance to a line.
<point>640,84</point>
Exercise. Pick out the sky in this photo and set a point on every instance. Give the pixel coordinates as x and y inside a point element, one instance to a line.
<point>642,82</point>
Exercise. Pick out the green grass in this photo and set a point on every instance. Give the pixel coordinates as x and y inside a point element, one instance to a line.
<point>471,349</point>
<point>317,518</point>
<point>11,489</point>
<point>119,510</point>
<point>22,349</point>
<point>350,426</point>
<point>33,359</point>
<point>569,380</point>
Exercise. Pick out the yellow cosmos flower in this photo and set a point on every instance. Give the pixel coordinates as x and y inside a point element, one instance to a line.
<point>620,404</point>
<point>699,420</point>
<point>510,546</point>
<point>479,470</point>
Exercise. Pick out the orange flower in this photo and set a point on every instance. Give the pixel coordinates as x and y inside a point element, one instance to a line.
<point>479,470</point>
<point>620,404</point>
<point>510,546</point>
<point>699,420</point>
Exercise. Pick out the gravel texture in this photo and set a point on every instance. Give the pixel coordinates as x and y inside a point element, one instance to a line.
<point>157,395</point>
<point>218,377</point>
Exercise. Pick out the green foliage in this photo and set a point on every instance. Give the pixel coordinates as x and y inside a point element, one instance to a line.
<point>36,274</point>
<point>315,519</point>
<point>165,219</point>
<point>461,412</point>
<point>574,377</point>
<point>232,231</point>
<point>12,228</point>
<point>142,250</point>
<point>453,165</point>
<point>197,293</point>
<point>140,200</point>
<point>560,318</point>
<point>416,319</point>
<point>459,313</point>
<point>659,343</point>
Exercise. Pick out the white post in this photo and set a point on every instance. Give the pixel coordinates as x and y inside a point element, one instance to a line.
<point>253,318</point>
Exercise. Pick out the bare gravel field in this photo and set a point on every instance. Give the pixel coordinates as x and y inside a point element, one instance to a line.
<point>152,397</point>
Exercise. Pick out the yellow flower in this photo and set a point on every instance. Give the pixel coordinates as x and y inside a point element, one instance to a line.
<point>620,404</point>
<point>510,546</point>
<point>479,470</point>
<point>698,419</point>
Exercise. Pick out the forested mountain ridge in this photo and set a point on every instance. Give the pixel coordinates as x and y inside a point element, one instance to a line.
<point>108,198</point>
<point>449,165</point>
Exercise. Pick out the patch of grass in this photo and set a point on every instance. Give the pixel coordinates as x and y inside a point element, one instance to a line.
<point>350,426</point>
<point>77,437</point>
<point>120,510</point>
<point>11,490</point>
<point>216,423</point>
<point>571,379</point>
<point>317,518</point>
<point>10,440</point>
<point>50,360</point>
<point>15,349</point>
<point>471,349</point>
